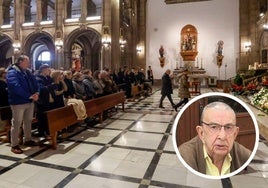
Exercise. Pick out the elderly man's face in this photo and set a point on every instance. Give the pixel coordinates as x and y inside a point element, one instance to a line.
<point>218,143</point>
<point>25,64</point>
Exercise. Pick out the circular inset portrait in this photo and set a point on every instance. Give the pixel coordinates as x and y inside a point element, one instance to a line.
<point>215,135</point>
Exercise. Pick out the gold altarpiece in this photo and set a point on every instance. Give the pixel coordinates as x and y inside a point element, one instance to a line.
<point>189,43</point>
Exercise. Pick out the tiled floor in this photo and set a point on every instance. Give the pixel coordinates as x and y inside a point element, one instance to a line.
<point>130,149</point>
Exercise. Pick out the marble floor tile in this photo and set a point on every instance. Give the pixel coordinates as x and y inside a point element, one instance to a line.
<point>169,144</point>
<point>33,176</point>
<point>116,153</point>
<point>120,124</point>
<point>104,164</point>
<point>157,118</point>
<point>140,140</point>
<point>5,163</point>
<point>145,126</point>
<point>7,184</point>
<point>131,169</point>
<point>197,181</point>
<point>248,181</point>
<point>85,181</point>
<point>70,158</point>
<point>5,149</point>
<point>170,160</point>
<point>46,177</point>
<point>130,116</point>
<point>98,136</point>
<point>170,174</point>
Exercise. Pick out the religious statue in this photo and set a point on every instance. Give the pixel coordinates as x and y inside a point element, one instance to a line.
<point>219,55</point>
<point>161,58</point>
<point>220,47</point>
<point>161,51</point>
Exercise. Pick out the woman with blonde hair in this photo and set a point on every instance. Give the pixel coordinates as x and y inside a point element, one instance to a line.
<point>57,88</point>
<point>70,93</point>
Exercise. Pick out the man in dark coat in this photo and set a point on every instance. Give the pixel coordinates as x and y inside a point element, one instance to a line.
<point>166,88</point>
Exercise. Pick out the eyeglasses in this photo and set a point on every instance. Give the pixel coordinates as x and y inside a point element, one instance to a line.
<point>216,128</point>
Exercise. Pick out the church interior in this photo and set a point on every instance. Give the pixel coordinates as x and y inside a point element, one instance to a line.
<point>223,44</point>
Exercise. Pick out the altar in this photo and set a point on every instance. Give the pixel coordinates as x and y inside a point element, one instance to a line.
<point>194,75</point>
<point>202,78</point>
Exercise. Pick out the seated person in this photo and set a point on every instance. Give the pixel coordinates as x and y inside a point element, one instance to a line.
<point>214,152</point>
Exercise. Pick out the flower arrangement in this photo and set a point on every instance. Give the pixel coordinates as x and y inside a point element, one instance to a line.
<point>260,99</point>
<point>237,89</point>
<point>251,86</point>
<point>265,83</point>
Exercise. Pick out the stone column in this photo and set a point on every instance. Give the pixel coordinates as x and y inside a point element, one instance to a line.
<point>106,53</point>
<point>59,60</point>
<point>1,12</point>
<point>60,12</point>
<point>91,8</point>
<point>27,11</point>
<point>44,5</point>
<point>83,10</point>
<point>68,8</point>
<point>39,10</point>
<point>6,12</point>
<point>141,31</point>
<point>248,11</point>
<point>18,18</point>
<point>115,33</point>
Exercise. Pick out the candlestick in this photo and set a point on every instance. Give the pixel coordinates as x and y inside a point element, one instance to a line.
<point>180,63</point>
<point>201,64</point>
<point>197,63</point>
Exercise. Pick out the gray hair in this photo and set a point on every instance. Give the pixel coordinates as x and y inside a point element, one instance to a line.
<point>20,59</point>
<point>217,105</point>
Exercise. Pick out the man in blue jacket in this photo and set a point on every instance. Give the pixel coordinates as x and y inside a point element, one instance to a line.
<point>23,91</point>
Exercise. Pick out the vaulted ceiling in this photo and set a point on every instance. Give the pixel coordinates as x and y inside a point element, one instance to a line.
<point>182,1</point>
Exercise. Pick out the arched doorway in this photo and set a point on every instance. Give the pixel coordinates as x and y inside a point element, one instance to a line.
<point>84,46</point>
<point>40,48</point>
<point>6,52</point>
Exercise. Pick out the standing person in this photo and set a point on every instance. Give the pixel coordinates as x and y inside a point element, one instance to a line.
<point>127,82</point>
<point>43,104</point>
<point>150,75</point>
<point>23,91</point>
<point>183,91</point>
<point>166,89</point>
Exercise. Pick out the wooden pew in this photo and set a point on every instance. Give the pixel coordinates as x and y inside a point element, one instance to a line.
<point>64,117</point>
<point>98,105</point>
<point>5,118</point>
<point>137,90</point>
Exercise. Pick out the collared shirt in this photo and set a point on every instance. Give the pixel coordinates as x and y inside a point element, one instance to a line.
<point>212,170</point>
